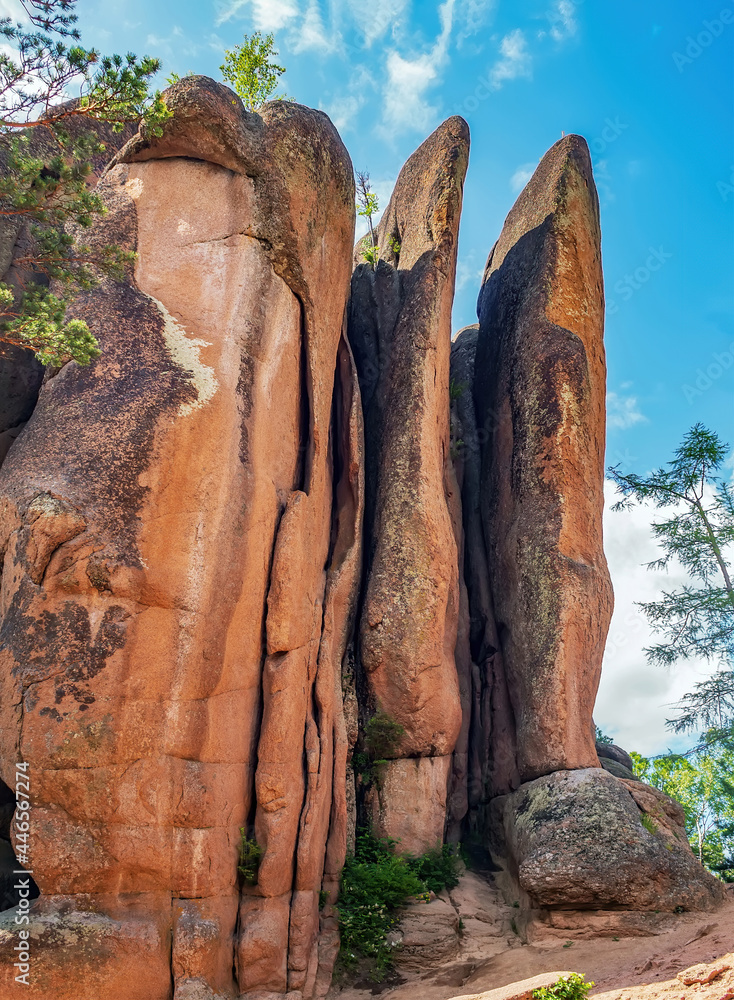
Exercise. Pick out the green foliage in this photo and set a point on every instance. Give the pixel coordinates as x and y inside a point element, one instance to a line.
<point>375,884</point>
<point>367,206</point>
<point>250,70</point>
<point>570,987</point>
<point>701,781</point>
<point>250,855</point>
<point>694,620</point>
<point>382,735</point>
<point>649,823</point>
<point>50,192</point>
<point>41,323</point>
<point>602,737</point>
<point>439,868</point>
<point>176,77</point>
<point>394,245</point>
<point>381,739</point>
<point>456,389</point>
<point>371,255</point>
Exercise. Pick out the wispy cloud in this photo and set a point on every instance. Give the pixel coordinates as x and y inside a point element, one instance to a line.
<point>468,272</point>
<point>311,35</point>
<point>521,176</point>
<point>472,16</point>
<point>374,19</point>
<point>14,10</point>
<point>408,79</point>
<point>564,23</point>
<point>342,108</point>
<point>267,15</point>
<point>515,61</point>
<point>623,411</point>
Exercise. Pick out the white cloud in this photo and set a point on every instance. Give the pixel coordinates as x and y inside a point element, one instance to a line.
<point>516,61</point>
<point>623,412</point>
<point>374,19</point>
<point>310,34</point>
<point>344,110</point>
<point>267,15</point>
<point>405,105</point>
<point>521,176</point>
<point>472,16</point>
<point>14,10</point>
<point>467,272</point>
<point>636,697</point>
<point>562,19</point>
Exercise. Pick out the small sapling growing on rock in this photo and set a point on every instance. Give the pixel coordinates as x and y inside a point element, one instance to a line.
<point>367,206</point>
<point>251,72</point>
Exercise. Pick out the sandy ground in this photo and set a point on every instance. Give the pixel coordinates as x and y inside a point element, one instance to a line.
<point>632,968</point>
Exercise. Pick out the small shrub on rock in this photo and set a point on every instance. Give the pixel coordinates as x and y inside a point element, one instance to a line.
<point>376,882</point>
<point>438,869</point>
<point>570,987</point>
<point>250,855</point>
<point>382,736</point>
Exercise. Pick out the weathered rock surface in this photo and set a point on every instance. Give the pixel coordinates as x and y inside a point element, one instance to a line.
<point>491,740</point>
<point>399,328</point>
<point>522,990</point>
<point>617,769</point>
<point>611,751</point>
<point>576,839</point>
<point>539,393</point>
<point>408,802</point>
<point>181,527</point>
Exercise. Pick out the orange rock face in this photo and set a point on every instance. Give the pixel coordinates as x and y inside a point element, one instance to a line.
<point>399,328</point>
<point>539,390</point>
<point>181,528</point>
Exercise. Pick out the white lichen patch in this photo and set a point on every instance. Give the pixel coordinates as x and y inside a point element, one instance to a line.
<point>134,187</point>
<point>184,352</point>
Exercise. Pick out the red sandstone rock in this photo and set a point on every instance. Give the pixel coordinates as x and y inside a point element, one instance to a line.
<point>539,391</point>
<point>399,328</point>
<point>178,582</point>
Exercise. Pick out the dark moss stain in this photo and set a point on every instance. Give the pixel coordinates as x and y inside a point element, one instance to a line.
<point>59,644</point>
<point>245,385</point>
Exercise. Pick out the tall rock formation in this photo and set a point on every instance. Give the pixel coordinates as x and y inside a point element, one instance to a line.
<point>191,641</point>
<point>400,331</point>
<point>529,411</point>
<point>539,392</point>
<point>181,530</point>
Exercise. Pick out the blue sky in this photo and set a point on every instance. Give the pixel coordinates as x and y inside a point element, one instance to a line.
<point>649,86</point>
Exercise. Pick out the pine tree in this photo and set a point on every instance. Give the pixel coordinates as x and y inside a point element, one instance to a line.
<point>696,620</point>
<point>46,157</point>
